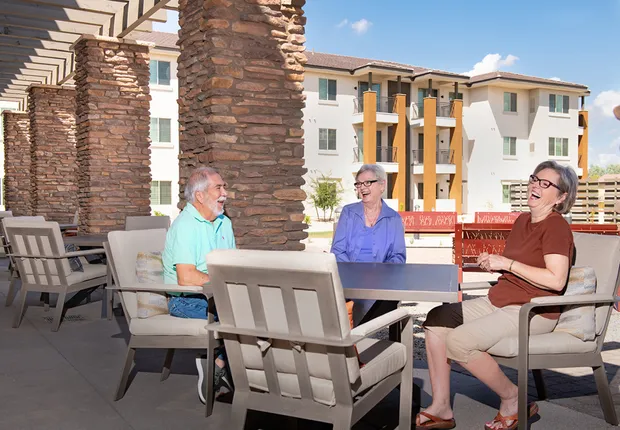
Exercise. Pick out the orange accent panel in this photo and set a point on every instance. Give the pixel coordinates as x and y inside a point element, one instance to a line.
<point>583,145</point>
<point>370,127</point>
<point>456,155</point>
<point>430,155</point>
<point>400,143</point>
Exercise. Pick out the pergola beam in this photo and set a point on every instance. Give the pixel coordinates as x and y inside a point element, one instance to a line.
<point>13,70</point>
<point>43,53</point>
<point>32,43</point>
<point>54,36</point>
<point>25,81</point>
<point>50,13</point>
<point>42,24</point>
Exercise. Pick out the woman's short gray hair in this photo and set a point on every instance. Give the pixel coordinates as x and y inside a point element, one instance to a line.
<point>374,168</point>
<point>198,181</point>
<point>568,183</point>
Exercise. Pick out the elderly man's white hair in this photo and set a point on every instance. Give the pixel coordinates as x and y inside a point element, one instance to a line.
<point>198,181</point>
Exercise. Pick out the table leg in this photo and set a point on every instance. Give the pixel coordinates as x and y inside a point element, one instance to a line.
<point>108,296</point>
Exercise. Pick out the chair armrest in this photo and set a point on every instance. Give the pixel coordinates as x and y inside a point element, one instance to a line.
<point>159,288</point>
<point>85,252</point>
<point>218,327</point>
<point>585,299</point>
<point>376,324</point>
<point>60,257</point>
<point>482,285</point>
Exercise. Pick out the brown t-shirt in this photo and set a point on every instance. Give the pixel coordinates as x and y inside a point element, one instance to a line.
<point>528,243</point>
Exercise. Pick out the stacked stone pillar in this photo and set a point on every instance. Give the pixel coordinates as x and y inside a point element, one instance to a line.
<point>53,179</point>
<point>16,162</point>
<point>113,120</point>
<point>240,73</point>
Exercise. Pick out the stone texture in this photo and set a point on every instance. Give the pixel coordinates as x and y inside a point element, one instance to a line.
<point>113,120</point>
<point>240,99</point>
<point>16,162</point>
<point>53,180</point>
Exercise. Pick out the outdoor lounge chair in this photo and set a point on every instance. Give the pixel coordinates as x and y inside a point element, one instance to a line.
<point>39,252</point>
<point>560,349</point>
<point>146,222</point>
<point>158,331</point>
<point>289,344</point>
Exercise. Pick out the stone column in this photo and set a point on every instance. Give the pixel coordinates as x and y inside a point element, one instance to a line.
<point>113,120</point>
<point>16,162</point>
<point>240,73</point>
<point>53,179</point>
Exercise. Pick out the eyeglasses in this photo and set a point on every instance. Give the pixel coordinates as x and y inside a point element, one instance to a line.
<point>365,183</point>
<point>544,183</point>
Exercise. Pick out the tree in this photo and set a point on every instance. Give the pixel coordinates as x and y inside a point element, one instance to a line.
<point>325,195</point>
<point>595,172</point>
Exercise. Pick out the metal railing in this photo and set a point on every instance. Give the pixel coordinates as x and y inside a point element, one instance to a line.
<point>384,104</point>
<point>385,154</point>
<point>443,156</point>
<point>444,110</point>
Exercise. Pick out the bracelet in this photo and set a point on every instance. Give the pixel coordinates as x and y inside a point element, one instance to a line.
<point>510,267</point>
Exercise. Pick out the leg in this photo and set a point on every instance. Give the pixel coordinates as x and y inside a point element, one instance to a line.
<point>239,411</point>
<point>12,292</point>
<point>540,384</point>
<point>208,366</point>
<point>19,312</point>
<point>167,363</point>
<point>342,418</point>
<point>122,384</point>
<point>60,303</point>
<point>604,395</point>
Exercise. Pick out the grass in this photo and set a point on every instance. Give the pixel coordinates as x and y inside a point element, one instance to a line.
<point>320,235</point>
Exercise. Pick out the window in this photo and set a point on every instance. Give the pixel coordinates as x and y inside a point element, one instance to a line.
<point>160,130</point>
<point>327,89</point>
<point>510,102</point>
<point>558,103</point>
<point>510,146</point>
<point>505,193</point>
<point>161,193</point>
<point>327,139</point>
<point>160,72</point>
<point>459,96</point>
<point>558,146</point>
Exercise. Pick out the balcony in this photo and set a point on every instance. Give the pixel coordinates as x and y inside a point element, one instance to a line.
<point>443,114</point>
<point>582,125</point>
<point>386,156</point>
<point>444,161</point>
<point>385,111</point>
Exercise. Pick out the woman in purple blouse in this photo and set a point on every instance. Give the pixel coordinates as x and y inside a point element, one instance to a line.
<point>369,231</point>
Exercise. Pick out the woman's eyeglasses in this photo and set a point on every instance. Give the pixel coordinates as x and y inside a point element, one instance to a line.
<point>544,183</point>
<point>365,183</point>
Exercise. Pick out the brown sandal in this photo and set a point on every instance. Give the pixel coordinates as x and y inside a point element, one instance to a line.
<point>434,422</point>
<point>533,410</point>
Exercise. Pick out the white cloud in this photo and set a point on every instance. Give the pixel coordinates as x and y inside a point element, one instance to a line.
<point>555,78</point>
<point>492,63</point>
<point>606,101</point>
<point>361,26</point>
<point>606,159</point>
<point>342,23</point>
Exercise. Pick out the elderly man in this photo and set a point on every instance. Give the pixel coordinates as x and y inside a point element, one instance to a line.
<point>200,228</point>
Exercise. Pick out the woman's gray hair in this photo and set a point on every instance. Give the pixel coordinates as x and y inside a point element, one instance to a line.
<point>568,183</point>
<point>374,168</point>
<point>198,181</point>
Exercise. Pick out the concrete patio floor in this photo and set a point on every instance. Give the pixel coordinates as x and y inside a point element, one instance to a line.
<point>66,380</point>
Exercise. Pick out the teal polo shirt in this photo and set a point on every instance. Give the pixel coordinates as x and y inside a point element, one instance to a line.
<point>191,237</point>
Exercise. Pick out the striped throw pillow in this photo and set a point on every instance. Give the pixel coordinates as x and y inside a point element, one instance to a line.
<point>579,320</point>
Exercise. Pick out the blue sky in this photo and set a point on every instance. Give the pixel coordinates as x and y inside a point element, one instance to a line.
<point>567,39</point>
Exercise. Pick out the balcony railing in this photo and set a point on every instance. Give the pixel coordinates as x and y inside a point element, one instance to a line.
<point>443,110</point>
<point>385,154</point>
<point>443,156</point>
<point>384,105</point>
<point>582,121</point>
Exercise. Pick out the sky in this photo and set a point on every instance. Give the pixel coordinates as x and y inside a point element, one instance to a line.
<point>575,41</point>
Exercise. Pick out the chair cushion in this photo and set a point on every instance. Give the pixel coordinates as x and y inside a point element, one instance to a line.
<point>89,271</point>
<point>381,357</point>
<point>548,343</point>
<point>579,320</point>
<point>150,270</point>
<point>167,325</point>
<point>74,262</point>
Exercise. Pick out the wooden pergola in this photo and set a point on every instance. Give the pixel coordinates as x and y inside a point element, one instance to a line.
<point>36,36</point>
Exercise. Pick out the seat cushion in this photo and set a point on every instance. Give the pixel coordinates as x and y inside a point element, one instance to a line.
<point>150,270</point>
<point>90,271</point>
<point>167,325</point>
<point>381,357</point>
<point>548,343</point>
<point>579,320</point>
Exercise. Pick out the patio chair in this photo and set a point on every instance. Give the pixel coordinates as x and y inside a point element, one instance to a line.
<point>39,252</point>
<point>146,222</point>
<point>289,344</point>
<point>3,214</point>
<point>560,349</point>
<point>158,331</point>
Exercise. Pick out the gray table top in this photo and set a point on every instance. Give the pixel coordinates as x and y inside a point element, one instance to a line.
<point>400,282</point>
<point>87,240</point>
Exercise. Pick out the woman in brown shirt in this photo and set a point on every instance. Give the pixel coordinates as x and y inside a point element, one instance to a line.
<point>535,263</point>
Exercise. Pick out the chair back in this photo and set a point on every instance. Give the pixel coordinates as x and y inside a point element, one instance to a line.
<point>34,240</point>
<point>601,252</point>
<point>147,222</point>
<point>5,240</point>
<point>124,248</point>
<point>290,293</point>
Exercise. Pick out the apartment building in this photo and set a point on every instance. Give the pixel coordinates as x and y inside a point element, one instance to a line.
<point>448,141</point>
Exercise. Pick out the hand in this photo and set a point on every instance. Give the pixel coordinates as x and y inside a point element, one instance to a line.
<point>493,262</point>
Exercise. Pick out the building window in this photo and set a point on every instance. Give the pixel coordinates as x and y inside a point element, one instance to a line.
<point>505,193</point>
<point>558,146</point>
<point>160,72</point>
<point>510,146</point>
<point>558,103</point>
<point>161,193</point>
<point>160,130</point>
<point>510,102</point>
<point>459,96</point>
<point>327,89</point>
<point>327,139</point>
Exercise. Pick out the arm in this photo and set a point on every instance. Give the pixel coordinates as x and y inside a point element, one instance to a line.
<point>398,251</point>
<point>187,274</point>
<point>339,244</point>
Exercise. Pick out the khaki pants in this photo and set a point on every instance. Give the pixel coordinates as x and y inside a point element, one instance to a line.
<point>481,326</point>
